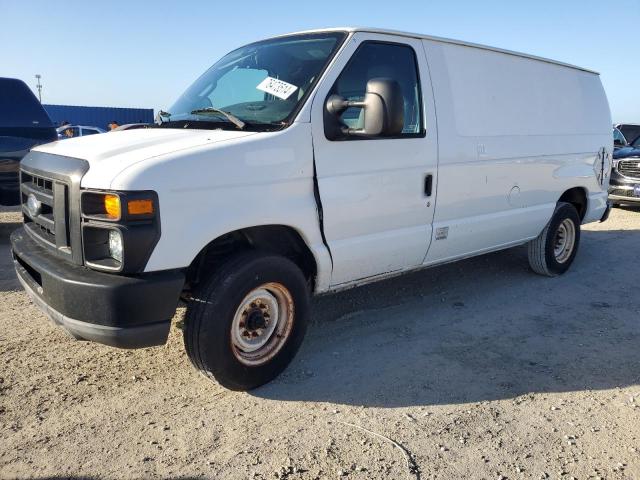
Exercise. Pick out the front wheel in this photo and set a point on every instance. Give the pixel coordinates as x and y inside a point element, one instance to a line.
<point>246,323</point>
<point>552,252</point>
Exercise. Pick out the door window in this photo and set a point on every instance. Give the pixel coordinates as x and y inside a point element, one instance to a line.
<point>382,60</point>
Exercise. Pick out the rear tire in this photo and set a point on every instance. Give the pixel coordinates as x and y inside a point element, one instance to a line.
<point>245,324</point>
<point>552,252</point>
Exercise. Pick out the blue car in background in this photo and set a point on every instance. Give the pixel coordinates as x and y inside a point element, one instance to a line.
<point>624,186</point>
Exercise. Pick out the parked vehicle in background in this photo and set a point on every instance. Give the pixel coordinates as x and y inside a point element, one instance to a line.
<point>130,126</point>
<point>625,175</point>
<point>627,150</point>
<point>304,164</point>
<point>72,131</point>
<point>631,131</point>
<point>98,116</point>
<point>619,140</point>
<point>23,124</point>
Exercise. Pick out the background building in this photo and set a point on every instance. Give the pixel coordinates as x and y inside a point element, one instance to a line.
<point>97,116</point>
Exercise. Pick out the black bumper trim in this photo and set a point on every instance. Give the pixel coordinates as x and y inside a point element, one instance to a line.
<point>122,311</point>
<point>607,212</point>
<point>149,335</point>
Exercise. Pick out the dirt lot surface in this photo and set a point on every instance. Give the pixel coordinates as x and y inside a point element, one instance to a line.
<point>479,369</point>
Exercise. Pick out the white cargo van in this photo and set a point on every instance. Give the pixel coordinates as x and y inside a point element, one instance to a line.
<point>305,164</point>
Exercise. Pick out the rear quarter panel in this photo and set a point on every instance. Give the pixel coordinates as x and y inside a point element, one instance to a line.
<point>514,134</point>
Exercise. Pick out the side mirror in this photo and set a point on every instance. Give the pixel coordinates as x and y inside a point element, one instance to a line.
<point>618,143</point>
<point>383,110</point>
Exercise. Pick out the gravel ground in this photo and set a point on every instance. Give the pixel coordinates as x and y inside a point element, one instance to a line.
<point>478,369</point>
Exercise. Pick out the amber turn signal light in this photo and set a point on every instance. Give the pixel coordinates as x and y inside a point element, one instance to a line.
<point>140,207</point>
<point>112,206</point>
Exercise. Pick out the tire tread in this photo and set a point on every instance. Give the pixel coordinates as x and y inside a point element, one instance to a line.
<point>196,314</point>
<point>536,248</point>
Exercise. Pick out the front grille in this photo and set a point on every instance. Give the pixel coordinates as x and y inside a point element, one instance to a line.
<point>54,181</point>
<point>629,168</point>
<point>622,192</point>
<point>49,223</point>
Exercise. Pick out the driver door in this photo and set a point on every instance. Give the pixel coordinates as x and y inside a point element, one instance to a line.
<point>377,193</point>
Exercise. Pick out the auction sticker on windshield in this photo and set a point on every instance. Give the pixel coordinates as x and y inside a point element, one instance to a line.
<point>277,88</point>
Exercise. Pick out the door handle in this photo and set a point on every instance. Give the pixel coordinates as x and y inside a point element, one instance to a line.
<point>428,185</point>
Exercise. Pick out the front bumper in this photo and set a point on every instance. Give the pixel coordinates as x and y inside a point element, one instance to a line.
<point>621,188</point>
<point>624,199</point>
<point>121,311</point>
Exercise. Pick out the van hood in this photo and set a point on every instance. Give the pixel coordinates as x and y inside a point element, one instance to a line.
<point>110,153</point>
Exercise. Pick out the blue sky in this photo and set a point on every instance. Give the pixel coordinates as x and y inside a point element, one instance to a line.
<point>145,53</point>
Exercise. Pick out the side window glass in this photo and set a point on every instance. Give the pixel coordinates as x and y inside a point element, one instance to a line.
<point>381,60</point>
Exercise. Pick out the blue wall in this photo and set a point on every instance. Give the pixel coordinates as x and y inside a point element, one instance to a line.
<point>97,116</point>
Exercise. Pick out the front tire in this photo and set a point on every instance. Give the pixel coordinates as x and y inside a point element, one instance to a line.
<point>553,251</point>
<point>246,323</point>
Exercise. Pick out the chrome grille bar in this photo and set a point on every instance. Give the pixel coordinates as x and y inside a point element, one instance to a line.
<point>55,182</point>
<point>630,168</point>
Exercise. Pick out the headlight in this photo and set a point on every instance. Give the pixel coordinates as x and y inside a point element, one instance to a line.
<point>115,245</point>
<point>118,206</point>
<point>113,222</point>
<point>112,206</point>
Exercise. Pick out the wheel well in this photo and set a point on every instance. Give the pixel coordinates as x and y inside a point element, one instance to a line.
<point>578,198</point>
<point>278,239</point>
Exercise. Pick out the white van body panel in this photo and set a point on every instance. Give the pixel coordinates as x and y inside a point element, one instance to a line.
<point>514,134</point>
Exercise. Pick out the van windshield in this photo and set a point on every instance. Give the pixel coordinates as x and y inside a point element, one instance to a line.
<point>262,84</point>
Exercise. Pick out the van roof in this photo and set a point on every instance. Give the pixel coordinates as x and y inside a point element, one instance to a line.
<point>443,40</point>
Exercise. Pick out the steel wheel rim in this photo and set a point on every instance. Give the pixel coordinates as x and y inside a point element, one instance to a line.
<point>262,324</point>
<point>564,241</point>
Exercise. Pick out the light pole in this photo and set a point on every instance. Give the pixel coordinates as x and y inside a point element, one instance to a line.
<point>39,87</point>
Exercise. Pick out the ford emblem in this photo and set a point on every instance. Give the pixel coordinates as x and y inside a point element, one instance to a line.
<point>33,205</point>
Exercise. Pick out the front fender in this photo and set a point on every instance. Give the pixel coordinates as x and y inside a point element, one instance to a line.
<point>204,193</point>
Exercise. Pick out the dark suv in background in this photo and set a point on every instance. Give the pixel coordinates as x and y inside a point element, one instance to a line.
<point>624,185</point>
<point>631,131</point>
<point>619,140</point>
<point>23,125</point>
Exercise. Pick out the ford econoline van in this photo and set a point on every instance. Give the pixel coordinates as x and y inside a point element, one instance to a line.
<point>304,164</point>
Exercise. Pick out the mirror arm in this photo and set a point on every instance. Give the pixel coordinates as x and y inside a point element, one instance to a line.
<point>355,104</point>
<point>336,105</point>
<point>352,131</point>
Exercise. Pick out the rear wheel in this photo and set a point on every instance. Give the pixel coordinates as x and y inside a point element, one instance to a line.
<point>554,250</point>
<point>246,323</point>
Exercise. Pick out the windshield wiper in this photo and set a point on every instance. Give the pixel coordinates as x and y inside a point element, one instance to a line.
<point>211,110</point>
